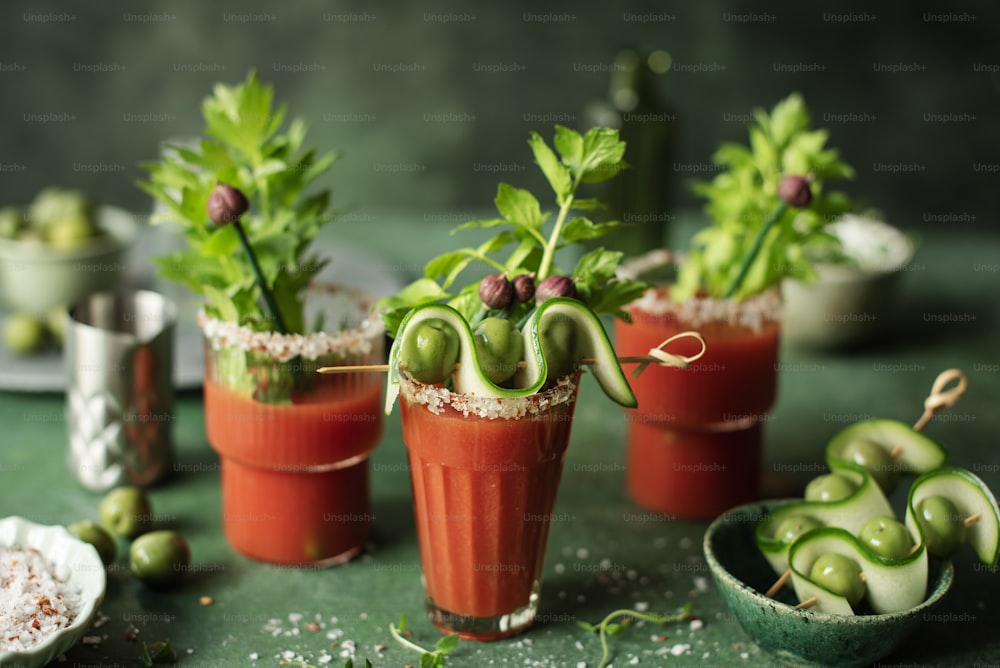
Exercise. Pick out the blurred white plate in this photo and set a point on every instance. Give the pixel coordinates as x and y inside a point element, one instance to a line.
<point>44,372</point>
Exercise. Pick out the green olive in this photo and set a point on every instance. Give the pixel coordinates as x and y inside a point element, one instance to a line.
<point>159,558</point>
<point>126,512</point>
<point>559,343</point>
<point>876,460</point>
<point>840,575</point>
<point>55,320</point>
<point>430,351</point>
<point>500,347</point>
<point>794,526</point>
<point>886,537</point>
<point>829,487</point>
<point>70,232</point>
<point>23,333</point>
<point>98,536</point>
<point>942,523</point>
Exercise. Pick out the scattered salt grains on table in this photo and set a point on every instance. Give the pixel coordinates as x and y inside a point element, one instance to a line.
<point>36,599</point>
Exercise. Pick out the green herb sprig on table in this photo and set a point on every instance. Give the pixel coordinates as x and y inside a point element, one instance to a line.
<point>535,236</point>
<point>607,627</point>
<point>743,197</point>
<point>428,658</point>
<point>247,145</point>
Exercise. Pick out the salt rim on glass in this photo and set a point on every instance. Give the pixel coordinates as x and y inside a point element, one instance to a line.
<point>438,399</point>
<point>354,338</point>
<point>751,312</point>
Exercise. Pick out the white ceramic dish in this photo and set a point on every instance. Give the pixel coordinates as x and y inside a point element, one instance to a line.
<point>85,571</point>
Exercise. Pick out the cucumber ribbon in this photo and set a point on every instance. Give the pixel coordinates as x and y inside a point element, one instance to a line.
<point>594,348</point>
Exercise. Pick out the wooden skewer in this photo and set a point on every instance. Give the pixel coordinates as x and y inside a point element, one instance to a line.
<point>808,603</point>
<point>778,584</point>
<point>938,399</point>
<point>972,519</point>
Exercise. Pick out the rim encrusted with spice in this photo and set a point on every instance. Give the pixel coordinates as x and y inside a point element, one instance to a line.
<point>354,339</point>
<point>438,399</point>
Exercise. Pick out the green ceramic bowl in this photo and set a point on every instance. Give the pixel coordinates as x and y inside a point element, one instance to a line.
<point>801,637</point>
<point>36,278</point>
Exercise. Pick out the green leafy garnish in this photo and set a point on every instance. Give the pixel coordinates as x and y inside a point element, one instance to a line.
<point>246,147</point>
<point>743,197</point>
<point>428,658</point>
<point>607,627</point>
<point>532,236</point>
<point>157,652</point>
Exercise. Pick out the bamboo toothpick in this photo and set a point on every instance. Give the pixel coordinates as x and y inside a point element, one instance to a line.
<point>808,603</point>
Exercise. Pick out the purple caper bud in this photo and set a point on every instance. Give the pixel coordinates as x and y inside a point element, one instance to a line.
<point>555,286</point>
<point>794,191</point>
<point>226,204</point>
<point>524,288</point>
<point>496,291</point>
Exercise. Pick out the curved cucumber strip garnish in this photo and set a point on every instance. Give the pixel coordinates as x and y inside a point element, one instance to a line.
<point>591,342</point>
<point>891,585</point>
<point>850,513</point>
<point>917,452</point>
<point>971,496</point>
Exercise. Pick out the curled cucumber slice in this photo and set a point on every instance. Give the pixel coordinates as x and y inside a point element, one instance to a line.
<point>971,497</point>
<point>578,324</point>
<point>892,585</point>
<point>850,513</point>
<point>915,452</point>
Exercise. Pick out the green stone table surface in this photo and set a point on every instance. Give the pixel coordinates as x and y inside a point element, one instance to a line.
<point>604,552</point>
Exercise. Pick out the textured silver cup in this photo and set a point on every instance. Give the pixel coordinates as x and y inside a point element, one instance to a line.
<point>120,391</point>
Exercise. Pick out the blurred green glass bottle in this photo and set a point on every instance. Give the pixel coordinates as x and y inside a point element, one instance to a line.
<point>641,196</point>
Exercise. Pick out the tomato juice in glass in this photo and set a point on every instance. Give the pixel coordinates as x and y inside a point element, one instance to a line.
<point>484,474</point>
<point>695,441</point>
<point>294,444</point>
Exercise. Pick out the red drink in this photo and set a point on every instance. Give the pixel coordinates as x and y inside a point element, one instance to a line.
<point>293,443</point>
<point>485,474</point>
<point>696,439</point>
<point>295,478</point>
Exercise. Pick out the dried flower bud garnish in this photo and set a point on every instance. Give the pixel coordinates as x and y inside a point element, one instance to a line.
<point>524,288</point>
<point>226,204</point>
<point>794,190</point>
<point>496,291</point>
<point>555,286</point>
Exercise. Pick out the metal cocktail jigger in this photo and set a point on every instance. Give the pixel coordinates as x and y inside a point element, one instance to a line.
<point>120,390</point>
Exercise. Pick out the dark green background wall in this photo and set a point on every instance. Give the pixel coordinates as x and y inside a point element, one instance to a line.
<point>910,93</point>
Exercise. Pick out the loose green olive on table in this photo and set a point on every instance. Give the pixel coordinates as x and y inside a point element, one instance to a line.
<point>98,536</point>
<point>160,558</point>
<point>127,512</point>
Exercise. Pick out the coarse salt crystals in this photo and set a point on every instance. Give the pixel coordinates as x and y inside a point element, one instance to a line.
<point>36,600</point>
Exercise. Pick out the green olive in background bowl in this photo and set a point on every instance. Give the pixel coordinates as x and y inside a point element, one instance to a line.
<point>40,271</point>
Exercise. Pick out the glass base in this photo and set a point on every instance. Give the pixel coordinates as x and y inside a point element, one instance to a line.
<point>485,629</point>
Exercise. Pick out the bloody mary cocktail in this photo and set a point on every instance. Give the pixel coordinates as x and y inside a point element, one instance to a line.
<point>485,474</point>
<point>694,443</point>
<point>294,444</point>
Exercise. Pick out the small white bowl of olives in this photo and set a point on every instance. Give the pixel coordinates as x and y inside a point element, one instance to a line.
<point>58,249</point>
